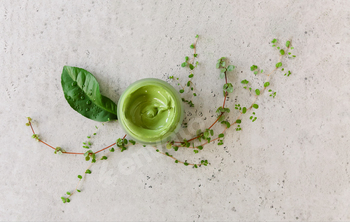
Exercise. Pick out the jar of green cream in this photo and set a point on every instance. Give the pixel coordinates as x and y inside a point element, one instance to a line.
<point>150,111</point>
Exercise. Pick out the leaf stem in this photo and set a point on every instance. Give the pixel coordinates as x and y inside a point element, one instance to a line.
<point>30,124</point>
<point>179,161</point>
<point>223,106</point>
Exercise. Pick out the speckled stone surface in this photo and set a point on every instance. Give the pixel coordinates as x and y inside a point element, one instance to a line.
<point>292,164</point>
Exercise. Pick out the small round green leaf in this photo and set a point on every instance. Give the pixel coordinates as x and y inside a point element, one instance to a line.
<point>257,91</point>
<point>288,44</point>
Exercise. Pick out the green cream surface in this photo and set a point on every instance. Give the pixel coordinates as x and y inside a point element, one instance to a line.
<point>150,111</point>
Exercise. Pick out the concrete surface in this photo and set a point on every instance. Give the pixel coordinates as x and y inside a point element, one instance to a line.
<point>292,164</point>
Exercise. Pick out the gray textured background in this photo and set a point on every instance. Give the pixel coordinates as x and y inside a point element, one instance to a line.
<point>291,164</point>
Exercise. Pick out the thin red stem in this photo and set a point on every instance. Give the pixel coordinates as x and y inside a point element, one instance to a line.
<point>108,146</point>
<point>72,153</point>
<point>215,121</point>
<point>30,124</point>
<point>46,144</point>
<point>223,106</point>
<point>105,148</point>
<point>54,148</point>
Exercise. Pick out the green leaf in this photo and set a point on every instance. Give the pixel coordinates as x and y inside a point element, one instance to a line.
<point>253,67</point>
<point>282,52</point>
<point>183,64</point>
<point>190,76</point>
<point>274,41</point>
<point>266,84</point>
<point>244,81</point>
<point>87,153</point>
<point>88,171</point>
<point>204,162</point>
<point>288,44</point>
<point>104,158</point>
<point>181,90</point>
<point>195,151</point>
<point>80,177</point>
<point>257,91</point>
<point>255,106</point>
<point>238,121</point>
<point>197,36</point>
<point>82,92</point>
<point>191,66</point>
<point>228,125</point>
<point>244,110</point>
<point>230,68</point>
<point>79,191</point>
<point>278,64</point>
<point>221,135</point>
<point>220,109</point>
<point>230,87</point>
<point>68,193</point>
<point>132,142</point>
<point>222,75</point>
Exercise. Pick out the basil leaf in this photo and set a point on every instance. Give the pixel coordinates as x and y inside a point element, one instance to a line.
<point>82,92</point>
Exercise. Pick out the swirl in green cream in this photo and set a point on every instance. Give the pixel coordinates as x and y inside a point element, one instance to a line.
<point>150,110</point>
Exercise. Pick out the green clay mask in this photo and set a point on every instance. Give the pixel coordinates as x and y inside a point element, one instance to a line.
<point>150,111</point>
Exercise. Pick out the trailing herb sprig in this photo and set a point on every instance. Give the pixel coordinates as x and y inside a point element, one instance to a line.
<point>203,137</point>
